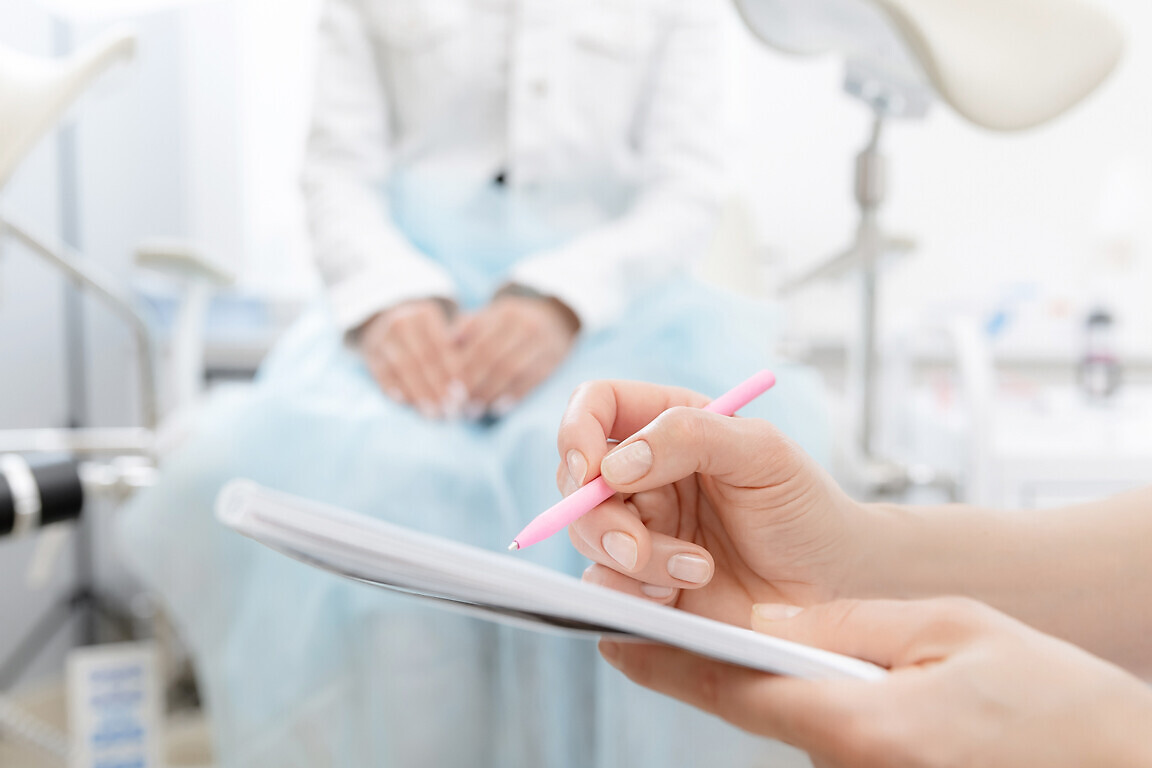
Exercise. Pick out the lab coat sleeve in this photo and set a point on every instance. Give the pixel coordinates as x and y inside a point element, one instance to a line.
<point>366,263</point>
<point>673,217</point>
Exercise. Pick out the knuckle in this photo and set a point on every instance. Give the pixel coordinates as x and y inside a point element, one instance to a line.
<point>583,547</point>
<point>956,612</point>
<point>842,614</point>
<point>392,355</point>
<point>772,441</point>
<point>379,368</point>
<point>637,667</point>
<point>425,355</point>
<point>947,620</point>
<point>711,689</point>
<point>588,392</point>
<point>482,350</point>
<point>682,426</point>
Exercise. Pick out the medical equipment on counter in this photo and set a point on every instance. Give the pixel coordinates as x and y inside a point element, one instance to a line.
<point>1005,65</point>
<point>1099,373</point>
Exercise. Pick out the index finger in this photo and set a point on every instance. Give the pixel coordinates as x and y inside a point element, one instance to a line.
<point>600,411</point>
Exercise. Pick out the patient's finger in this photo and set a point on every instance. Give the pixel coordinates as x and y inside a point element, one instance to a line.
<point>606,577</point>
<point>536,368</point>
<point>509,357</point>
<point>395,357</point>
<point>385,378</point>
<point>599,411</point>
<point>424,358</point>
<point>411,369</point>
<point>480,348</point>
<point>436,355</point>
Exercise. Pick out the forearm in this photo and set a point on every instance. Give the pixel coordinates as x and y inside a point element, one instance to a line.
<point>1082,573</point>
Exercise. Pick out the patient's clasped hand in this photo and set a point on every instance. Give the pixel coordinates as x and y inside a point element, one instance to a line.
<point>445,364</point>
<point>727,518</point>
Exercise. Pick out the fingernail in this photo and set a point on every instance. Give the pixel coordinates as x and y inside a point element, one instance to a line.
<point>395,395</point>
<point>502,406</point>
<point>775,611</point>
<point>473,410</point>
<point>450,408</point>
<point>568,486</point>
<point>621,547</point>
<point>610,651</point>
<point>692,568</point>
<point>426,409</point>
<point>577,465</point>
<point>454,400</point>
<point>457,392</point>
<point>655,592</point>
<point>627,464</point>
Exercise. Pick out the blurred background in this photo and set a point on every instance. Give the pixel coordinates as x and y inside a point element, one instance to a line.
<point>1039,243</point>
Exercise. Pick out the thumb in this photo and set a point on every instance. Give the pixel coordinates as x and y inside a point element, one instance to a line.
<point>890,633</point>
<point>683,441</point>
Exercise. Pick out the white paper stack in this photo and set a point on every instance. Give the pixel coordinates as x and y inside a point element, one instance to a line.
<point>500,587</point>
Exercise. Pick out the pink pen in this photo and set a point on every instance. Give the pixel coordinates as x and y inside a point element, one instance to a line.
<point>557,517</point>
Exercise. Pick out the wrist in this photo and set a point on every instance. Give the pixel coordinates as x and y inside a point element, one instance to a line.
<point>876,565</point>
<point>566,314</point>
<point>448,306</point>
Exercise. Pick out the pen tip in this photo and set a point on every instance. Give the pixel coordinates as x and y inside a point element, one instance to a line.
<point>513,546</point>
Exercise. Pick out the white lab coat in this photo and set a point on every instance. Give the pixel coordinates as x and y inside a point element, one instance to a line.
<point>602,114</point>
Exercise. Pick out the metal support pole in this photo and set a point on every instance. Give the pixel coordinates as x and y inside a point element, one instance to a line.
<point>871,191</point>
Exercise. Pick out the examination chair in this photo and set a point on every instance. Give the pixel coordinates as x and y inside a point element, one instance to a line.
<point>106,463</point>
<point>1003,65</point>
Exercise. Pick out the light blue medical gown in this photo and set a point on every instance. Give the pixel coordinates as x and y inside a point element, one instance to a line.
<point>301,668</point>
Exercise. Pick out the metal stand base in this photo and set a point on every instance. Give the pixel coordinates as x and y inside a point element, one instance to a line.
<point>85,606</point>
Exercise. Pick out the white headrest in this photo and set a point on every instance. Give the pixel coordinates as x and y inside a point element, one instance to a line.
<point>1003,64</point>
<point>35,92</point>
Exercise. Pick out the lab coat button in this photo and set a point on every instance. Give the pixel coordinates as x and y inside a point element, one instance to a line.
<point>540,88</point>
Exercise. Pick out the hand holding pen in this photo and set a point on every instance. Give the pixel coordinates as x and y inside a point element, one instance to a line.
<point>582,501</point>
<point>700,494</point>
<point>728,519</point>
